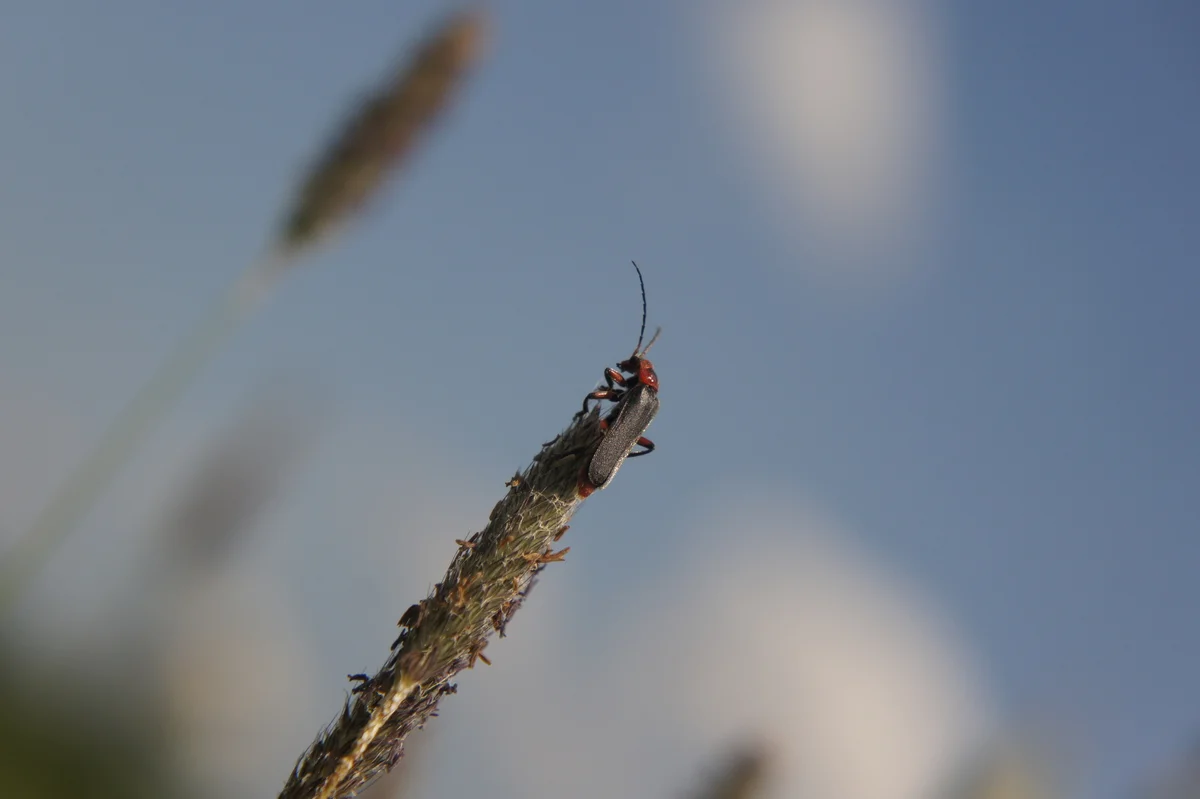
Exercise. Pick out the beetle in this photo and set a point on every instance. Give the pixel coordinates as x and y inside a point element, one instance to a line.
<point>633,389</point>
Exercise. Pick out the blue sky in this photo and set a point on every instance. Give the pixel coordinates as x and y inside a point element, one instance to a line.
<point>930,270</point>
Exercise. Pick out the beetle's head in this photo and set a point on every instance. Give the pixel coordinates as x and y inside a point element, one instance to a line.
<point>640,367</point>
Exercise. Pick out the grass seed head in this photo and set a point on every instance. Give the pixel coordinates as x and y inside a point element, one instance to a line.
<point>382,131</point>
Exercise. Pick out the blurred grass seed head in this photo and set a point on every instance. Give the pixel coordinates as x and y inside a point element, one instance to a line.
<point>382,132</point>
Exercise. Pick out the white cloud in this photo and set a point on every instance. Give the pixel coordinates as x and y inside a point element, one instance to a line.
<point>838,103</point>
<point>775,629</point>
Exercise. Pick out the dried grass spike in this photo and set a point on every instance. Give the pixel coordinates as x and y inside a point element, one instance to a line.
<point>482,589</point>
<point>382,131</point>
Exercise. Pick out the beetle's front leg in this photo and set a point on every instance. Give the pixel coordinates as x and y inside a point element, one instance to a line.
<point>613,378</point>
<point>611,394</point>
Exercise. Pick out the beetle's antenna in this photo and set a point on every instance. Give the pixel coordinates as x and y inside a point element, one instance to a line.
<point>653,339</point>
<point>641,332</point>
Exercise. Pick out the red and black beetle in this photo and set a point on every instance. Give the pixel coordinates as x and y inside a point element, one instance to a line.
<point>633,389</point>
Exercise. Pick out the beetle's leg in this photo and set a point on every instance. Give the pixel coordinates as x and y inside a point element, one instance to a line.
<point>611,394</point>
<point>613,377</point>
<point>642,442</point>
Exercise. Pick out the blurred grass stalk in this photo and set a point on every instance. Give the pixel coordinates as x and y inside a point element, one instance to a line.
<point>445,633</point>
<point>743,776</point>
<point>233,483</point>
<point>373,141</point>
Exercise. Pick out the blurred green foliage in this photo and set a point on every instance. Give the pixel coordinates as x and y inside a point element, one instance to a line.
<point>61,741</point>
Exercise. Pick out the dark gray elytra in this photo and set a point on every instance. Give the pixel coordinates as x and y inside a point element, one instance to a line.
<point>634,413</point>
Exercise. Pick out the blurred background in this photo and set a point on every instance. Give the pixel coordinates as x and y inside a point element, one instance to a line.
<point>927,456</point>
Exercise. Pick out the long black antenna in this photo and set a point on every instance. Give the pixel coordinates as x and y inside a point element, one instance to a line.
<point>641,332</point>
